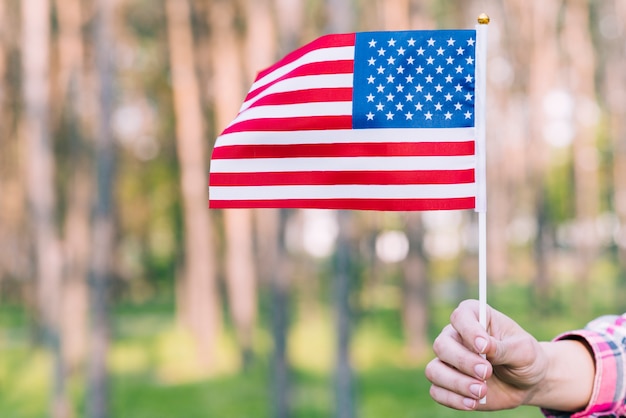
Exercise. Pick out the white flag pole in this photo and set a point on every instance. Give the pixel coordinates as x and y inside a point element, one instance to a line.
<point>481,165</point>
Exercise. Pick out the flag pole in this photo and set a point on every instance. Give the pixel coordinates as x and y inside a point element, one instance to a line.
<point>481,200</point>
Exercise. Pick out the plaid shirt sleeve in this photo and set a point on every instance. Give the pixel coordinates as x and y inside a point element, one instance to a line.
<point>606,336</point>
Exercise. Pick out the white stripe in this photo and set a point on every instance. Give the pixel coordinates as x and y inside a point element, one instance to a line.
<point>307,82</point>
<point>263,165</point>
<point>295,111</point>
<point>342,136</point>
<point>317,55</point>
<point>446,191</point>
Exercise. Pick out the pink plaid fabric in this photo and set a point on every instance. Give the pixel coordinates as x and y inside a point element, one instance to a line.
<point>607,338</point>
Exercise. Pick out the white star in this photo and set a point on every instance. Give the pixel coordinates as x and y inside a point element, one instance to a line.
<point>459,69</point>
<point>448,78</point>
<point>457,106</point>
<point>438,106</point>
<point>380,88</point>
<point>389,115</point>
<point>428,116</point>
<point>372,43</point>
<point>409,78</point>
<point>408,116</point>
<point>380,107</point>
<point>431,42</point>
<point>448,115</point>
<point>419,88</point>
<point>439,88</point>
<point>469,60</point>
<point>411,42</point>
<point>380,69</point>
<point>400,70</point>
<point>458,88</point>
<point>419,69</point>
<point>391,60</point>
<point>470,42</point>
<point>391,42</point>
<point>381,51</point>
<point>370,97</point>
<point>420,51</point>
<point>418,107</point>
<point>370,79</point>
<point>390,97</point>
<point>429,78</point>
<point>409,97</point>
<point>371,61</point>
<point>440,51</point>
<point>460,51</point>
<point>439,70</point>
<point>469,78</point>
<point>399,88</point>
<point>430,60</point>
<point>370,116</point>
<point>410,60</point>
<point>401,51</point>
<point>449,60</point>
<point>468,97</point>
<point>429,97</point>
<point>399,107</point>
<point>448,97</point>
<point>468,115</point>
<point>451,42</point>
<point>390,78</point>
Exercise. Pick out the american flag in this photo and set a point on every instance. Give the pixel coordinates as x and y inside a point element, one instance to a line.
<point>372,120</point>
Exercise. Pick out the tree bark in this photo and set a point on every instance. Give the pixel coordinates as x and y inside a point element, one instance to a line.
<point>40,185</point>
<point>202,313</point>
<point>102,220</point>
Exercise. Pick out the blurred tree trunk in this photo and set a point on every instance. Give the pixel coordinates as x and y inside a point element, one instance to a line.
<point>40,184</point>
<point>102,220</point>
<point>76,246</point>
<point>340,19</point>
<point>581,62</point>
<point>201,310</point>
<point>543,76</point>
<point>228,96</point>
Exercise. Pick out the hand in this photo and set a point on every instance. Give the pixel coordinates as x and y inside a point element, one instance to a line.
<point>515,363</point>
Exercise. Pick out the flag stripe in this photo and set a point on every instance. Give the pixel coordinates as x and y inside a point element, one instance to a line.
<point>343,177</point>
<point>339,94</point>
<point>292,124</point>
<point>346,136</point>
<point>356,149</point>
<point>268,165</point>
<point>407,204</point>
<point>295,111</point>
<point>358,191</point>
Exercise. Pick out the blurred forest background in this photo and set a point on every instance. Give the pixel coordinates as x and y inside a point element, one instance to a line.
<point>122,295</point>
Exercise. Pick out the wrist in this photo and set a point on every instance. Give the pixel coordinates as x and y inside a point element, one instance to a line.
<point>568,381</point>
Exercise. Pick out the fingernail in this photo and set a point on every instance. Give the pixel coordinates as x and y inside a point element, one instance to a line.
<point>480,344</point>
<point>481,371</point>
<point>469,403</point>
<point>476,389</point>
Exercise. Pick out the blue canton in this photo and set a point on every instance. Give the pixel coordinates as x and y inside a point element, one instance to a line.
<point>414,79</point>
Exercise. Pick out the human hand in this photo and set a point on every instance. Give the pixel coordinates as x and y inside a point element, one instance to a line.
<point>515,364</point>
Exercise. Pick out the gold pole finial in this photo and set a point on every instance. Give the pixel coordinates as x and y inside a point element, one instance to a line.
<point>483,19</point>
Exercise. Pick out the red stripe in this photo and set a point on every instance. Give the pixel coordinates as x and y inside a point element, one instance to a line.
<point>306,96</point>
<point>309,123</point>
<point>327,41</point>
<point>388,149</point>
<point>352,204</point>
<point>314,68</point>
<point>343,177</point>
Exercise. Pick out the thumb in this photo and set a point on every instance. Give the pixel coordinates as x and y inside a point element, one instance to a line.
<point>509,351</point>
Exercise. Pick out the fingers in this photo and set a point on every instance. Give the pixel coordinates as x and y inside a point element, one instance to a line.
<point>453,388</point>
<point>452,350</point>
